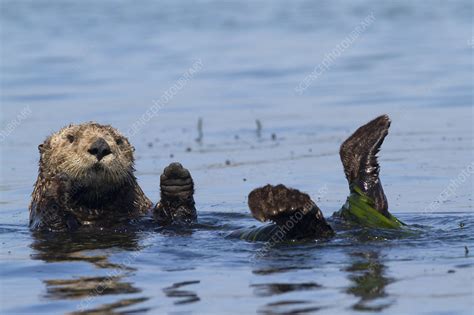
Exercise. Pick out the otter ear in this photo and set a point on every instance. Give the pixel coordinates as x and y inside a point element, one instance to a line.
<point>43,146</point>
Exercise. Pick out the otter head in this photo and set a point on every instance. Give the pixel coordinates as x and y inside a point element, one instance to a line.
<point>91,155</point>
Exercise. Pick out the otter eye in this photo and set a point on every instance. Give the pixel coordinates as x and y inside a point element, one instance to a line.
<point>119,141</point>
<point>70,138</point>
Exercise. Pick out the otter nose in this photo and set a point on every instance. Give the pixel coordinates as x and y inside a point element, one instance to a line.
<point>100,148</point>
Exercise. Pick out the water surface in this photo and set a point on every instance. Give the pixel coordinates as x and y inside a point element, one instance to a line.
<point>70,62</point>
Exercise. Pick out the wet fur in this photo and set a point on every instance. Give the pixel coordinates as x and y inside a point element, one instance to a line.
<point>359,158</point>
<point>74,188</point>
<point>289,207</point>
<point>177,191</point>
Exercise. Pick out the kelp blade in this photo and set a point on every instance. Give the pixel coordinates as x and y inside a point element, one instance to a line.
<point>359,209</point>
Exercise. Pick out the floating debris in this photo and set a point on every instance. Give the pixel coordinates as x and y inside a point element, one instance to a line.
<point>461,224</point>
<point>171,155</point>
<point>466,250</point>
<point>200,132</point>
<point>227,162</point>
<point>274,136</point>
<point>150,144</point>
<point>259,128</point>
<point>244,179</point>
<point>188,149</point>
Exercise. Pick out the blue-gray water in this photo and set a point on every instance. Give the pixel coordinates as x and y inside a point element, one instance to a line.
<point>64,62</point>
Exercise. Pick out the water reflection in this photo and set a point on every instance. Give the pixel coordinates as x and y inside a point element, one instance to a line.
<point>271,270</point>
<point>269,289</point>
<point>90,247</point>
<point>279,260</point>
<point>183,296</point>
<point>113,308</point>
<point>367,273</point>
<point>289,307</point>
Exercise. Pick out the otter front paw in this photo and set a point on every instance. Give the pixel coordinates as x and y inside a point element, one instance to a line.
<point>176,182</point>
<point>177,201</point>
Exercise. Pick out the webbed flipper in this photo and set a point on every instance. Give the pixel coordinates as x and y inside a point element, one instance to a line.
<point>177,196</point>
<point>359,158</point>
<point>296,215</point>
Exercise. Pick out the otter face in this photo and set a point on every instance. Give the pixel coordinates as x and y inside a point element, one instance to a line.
<point>92,155</point>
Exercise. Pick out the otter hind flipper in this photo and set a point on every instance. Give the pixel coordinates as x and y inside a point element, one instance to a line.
<point>293,211</point>
<point>359,158</point>
<point>271,203</point>
<point>177,196</point>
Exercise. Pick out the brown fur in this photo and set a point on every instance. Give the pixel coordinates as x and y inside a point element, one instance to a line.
<point>177,191</point>
<point>75,188</point>
<point>359,158</point>
<point>270,202</point>
<point>283,205</point>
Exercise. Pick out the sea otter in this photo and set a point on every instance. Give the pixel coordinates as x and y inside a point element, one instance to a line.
<point>295,216</point>
<point>86,178</point>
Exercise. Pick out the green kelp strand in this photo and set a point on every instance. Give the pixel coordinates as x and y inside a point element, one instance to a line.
<point>359,209</point>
